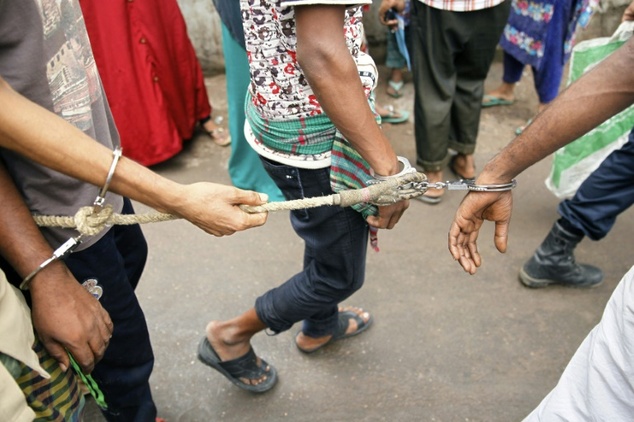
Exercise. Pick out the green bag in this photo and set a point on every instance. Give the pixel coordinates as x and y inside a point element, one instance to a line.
<point>573,163</point>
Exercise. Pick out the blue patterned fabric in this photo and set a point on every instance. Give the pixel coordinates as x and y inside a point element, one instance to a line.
<point>525,35</point>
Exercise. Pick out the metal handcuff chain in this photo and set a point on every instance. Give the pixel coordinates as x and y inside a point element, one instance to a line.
<point>72,243</point>
<point>458,185</point>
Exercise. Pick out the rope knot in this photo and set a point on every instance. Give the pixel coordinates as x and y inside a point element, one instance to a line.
<point>90,223</point>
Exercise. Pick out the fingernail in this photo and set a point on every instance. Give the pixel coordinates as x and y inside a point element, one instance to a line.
<point>263,197</point>
<point>63,367</point>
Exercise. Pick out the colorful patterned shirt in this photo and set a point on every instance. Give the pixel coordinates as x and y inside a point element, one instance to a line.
<point>461,5</point>
<point>278,86</point>
<point>281,100</point>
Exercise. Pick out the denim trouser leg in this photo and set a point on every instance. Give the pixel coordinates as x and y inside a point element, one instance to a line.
<point>116,261</point>
<point>606,193</point>
<point>334,257</point>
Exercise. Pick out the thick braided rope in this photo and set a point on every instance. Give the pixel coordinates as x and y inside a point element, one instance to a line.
<point>89,223</point>
<point>388,192</point>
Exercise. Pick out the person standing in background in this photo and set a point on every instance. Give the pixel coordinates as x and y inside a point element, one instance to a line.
<point>396,50</point>
<point>245,168</point>
<point>151,75</point>
<point>543,39</point>
<point>452,45</point>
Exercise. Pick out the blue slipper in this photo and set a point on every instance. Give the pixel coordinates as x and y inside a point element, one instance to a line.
<point>342,327</point>
<point>394,116</point>
<point>248,367</point>
<point>492,101</point>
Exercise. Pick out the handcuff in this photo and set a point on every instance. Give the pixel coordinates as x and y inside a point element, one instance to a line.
<point>71,244</point>
<point>461,184</point>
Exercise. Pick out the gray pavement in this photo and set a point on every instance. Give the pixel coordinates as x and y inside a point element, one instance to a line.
<point>445,346</point>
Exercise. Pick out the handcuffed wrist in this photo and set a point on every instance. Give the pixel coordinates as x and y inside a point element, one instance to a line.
<point>407,168</point>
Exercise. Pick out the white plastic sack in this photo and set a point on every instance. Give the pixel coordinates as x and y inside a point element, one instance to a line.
<point>573,163</point>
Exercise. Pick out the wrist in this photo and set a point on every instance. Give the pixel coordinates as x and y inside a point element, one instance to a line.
<point>402,167</point>
<point>52,277</point>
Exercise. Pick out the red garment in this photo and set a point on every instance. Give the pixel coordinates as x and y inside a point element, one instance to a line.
<point>150,72</point>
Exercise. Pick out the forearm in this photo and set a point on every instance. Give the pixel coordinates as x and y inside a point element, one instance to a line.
<point>334,78</point>
<point>42,136</point>
<point>21,242</point>
<point>595,97</point>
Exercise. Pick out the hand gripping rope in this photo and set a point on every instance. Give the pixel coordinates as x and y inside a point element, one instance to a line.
<point>381,191</point>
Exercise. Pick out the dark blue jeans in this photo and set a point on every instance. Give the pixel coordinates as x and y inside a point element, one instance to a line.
<point>116,261</point>
<point>605,194</point>
<point>334,256</point>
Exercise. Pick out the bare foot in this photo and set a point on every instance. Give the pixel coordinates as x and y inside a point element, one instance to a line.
<point>218,134</point>
<point>464,166</point>
<point>504,92</point>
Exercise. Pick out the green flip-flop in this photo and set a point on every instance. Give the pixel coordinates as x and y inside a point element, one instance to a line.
<point>394,116</point>
<point>492,101</point>
<point>395,89</point>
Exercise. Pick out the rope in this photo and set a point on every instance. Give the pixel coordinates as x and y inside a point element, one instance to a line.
<point>387,192</point>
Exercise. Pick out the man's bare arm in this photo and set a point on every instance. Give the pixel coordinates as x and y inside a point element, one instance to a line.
<point>333,75</point>
<point>65,316</point>
<point>40,135</point>
<point>596,96</point>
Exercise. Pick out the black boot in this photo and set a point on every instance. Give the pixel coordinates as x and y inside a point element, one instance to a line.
<point>554,263</point>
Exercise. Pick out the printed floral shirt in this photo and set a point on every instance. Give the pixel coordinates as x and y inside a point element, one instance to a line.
<point>278,87</point>
<point>525,34</point>
<point>461,5</point>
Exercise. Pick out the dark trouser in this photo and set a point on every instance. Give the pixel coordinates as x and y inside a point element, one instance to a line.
<point>548,77</point>
<point>451,56</point>
<point>606,193</point>
<point>116,261</point>
<point>334,257</point>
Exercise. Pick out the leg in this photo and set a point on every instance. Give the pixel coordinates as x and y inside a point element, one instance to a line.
<point>116,261</point>
<point>245,168</point>
<point>334,267</point>
<point>592,212</point>
<point>548,76</point>
<point>504,94</point>
<point>395,61</point>
<point>433,74</point>
<point>478,34</point>
<point>434,84</point>
<point>334,258</point>
<point>605,194</point>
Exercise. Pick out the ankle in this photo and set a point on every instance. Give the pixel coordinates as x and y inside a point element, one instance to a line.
<point>220,333</point>
<point>434,176</point>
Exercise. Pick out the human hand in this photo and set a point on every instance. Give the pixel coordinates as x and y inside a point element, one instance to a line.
<point>215,208</point>
<point>67,317</point>
<point>388,215</point>
<point>384,7</point>
<point>628,14</point>
<point>474,209</point>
